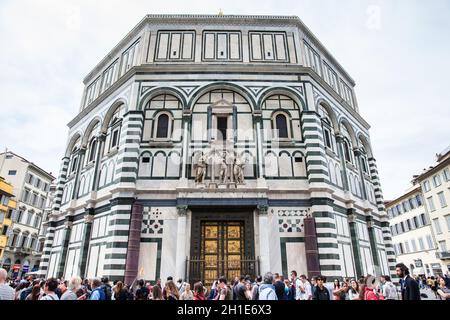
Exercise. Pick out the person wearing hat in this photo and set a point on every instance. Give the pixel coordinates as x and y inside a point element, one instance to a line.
<point>321,292</point>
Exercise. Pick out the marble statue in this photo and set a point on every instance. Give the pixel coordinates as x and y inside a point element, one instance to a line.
<point>200,169</point>
<point>238,169</point>
<point>223,174</point>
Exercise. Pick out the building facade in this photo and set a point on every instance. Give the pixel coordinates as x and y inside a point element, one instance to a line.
<point>435,183</point>
<point>420,220</point>
<point>7,207</point>
<point>218,145</point>
<point>30,185</point>
<point>412,235</point>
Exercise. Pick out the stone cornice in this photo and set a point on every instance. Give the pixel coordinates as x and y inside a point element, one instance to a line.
<point>282,69</point>
<point>239,20</point>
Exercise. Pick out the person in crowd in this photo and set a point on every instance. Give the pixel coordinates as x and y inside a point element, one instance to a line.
<point>107,288</point>
<point>199,292</point>
<point>409,286</point>
<point>119,292</point>
<point>321,292</point>
<point>388,290</point>
<point>70,292</point>
<point>171,291</point>
<point>62,288</point>
<point>279,286</point>
<point>50,290</point>
<point>142,292</point>
<point>169,278</point>
<point>353,291</point>
<point>239,289</point>
<point>97,291</point>
<point>304,290</point>
<point>434,286</point>
<point>313,285</point>
<point>158,283</point>
<point>187,292</point>
<point>35,293</point>
<point>28,288</point>
<point>267,289</point>
<point>443,289</point>
<point>6,291</point>
<point>21,286</point>
<point>180,286</point>
<point>248,289</point>
<point>369,292</point>
<point>338,292</point>
<point>157,293</point>
<point>287,290</point>
<point>214,291</point>
<point>255,289</point>
<point>224,292</point>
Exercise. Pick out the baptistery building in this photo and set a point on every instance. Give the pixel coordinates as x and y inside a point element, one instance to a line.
<point>209,145</point>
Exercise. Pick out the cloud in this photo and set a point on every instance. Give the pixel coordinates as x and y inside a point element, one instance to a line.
<point>395,50</point>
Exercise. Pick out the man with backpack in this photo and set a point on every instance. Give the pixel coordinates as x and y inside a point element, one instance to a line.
<point>142,292</point>
<point>255,290</point>
<point>106,288</point>
<point>97,291</point>
<point>389,290</point>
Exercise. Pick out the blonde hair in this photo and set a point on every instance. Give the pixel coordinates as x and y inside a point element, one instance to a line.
<point>74,283</point>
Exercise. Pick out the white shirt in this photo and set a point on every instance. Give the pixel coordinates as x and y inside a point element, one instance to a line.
<point>6,292</point>
<point>307,294</point>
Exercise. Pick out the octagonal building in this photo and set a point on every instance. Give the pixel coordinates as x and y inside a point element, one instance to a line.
<point>209,145</point>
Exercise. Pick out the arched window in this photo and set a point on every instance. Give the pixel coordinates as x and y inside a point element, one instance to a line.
<point>327,127</point>
<point>347,151</point>
<point>281,126</point>
<point>364,168</point>
<point>92,149</point>
<point>162,130</point>
<point>74,164</point>
<point>347,144</point>
<point>114,128</point>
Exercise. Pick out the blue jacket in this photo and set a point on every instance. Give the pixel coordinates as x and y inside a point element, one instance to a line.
<point>98,294</point>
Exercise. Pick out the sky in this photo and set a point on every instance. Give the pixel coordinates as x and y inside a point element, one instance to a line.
<point>397,51</point>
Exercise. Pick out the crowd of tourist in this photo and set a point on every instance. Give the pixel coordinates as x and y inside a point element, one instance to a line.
<point>269,287</point>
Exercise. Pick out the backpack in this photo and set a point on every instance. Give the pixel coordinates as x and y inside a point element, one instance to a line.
<point>108,292</point>
<point>391,291</point>
<point>25,293</point>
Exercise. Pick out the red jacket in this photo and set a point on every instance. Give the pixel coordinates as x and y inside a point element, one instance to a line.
<point>370,295</point>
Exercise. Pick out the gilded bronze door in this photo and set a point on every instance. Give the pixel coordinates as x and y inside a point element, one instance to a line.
<point>222,247</point>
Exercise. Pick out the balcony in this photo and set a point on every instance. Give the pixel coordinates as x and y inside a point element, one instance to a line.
<point>443,255</point>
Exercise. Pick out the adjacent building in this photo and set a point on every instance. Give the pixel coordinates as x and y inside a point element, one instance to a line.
<point>210,145</point>
<point>420,220</point>
<point>435,183</point>
<point>31,186</point>
<point>7,207</point>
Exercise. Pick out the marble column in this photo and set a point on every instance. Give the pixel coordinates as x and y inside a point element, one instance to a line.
<point>351,215</point>
<point>65,246</point>
<point>264,253</point>
<point>373,245</point>
<point>186,138</point>
<point>134,243</point>
<point>88,220</point>
<point>259,146</point>
<point>180,257</point>
<point>311,247</point>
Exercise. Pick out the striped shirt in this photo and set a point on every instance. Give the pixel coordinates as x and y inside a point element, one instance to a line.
<point>6,292</point>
